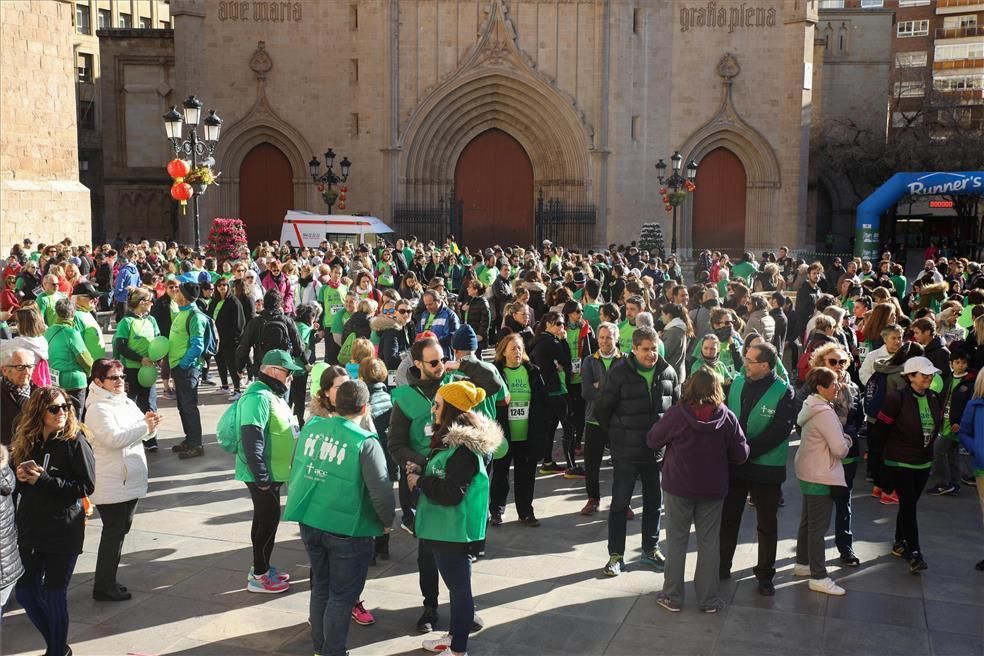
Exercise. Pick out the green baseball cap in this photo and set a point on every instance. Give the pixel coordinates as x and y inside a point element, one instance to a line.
<point>282,359</point>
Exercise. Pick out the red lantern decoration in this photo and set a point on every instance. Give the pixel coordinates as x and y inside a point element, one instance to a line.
<point>668,207</point>
<point>178,168</point>
<point>321,188</point>
<point>341,205</point>
<point>343,189</point>
<point>182,192</point>
<point>342,196</point>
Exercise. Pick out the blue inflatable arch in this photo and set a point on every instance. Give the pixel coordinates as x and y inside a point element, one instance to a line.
<point>907,184</point>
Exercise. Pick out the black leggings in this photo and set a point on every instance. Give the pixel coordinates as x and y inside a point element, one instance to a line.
<point>909,484</point>
<point>557,412</point>
<point>595,441</point>
<point>575,412</point>
<point>266,519</point>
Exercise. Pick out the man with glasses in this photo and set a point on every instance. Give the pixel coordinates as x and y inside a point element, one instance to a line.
<point>766,409</point>
<point>15,389</point>
<point>410,431</point>
<point>438,318</point>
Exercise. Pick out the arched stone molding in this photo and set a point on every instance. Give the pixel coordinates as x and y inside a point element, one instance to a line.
<point>261,124</point>
<point>763,179</point>
<point>496,87</point>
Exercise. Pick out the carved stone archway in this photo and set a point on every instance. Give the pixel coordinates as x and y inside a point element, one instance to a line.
<point>496,86</point>
<point>727,129</point>
<point>261,124</point>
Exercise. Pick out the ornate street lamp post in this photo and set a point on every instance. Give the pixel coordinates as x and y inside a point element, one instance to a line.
<point>327,180</point>
<point>674,189</point>
<point>200,150</point>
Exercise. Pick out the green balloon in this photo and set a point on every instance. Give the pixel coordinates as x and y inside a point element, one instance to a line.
<point>315,377</point>
<point>159,347</point>
<point>147,376</point>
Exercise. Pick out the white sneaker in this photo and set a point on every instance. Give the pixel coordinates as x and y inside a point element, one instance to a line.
<point>234,396</point>
<point>801,570</point>
<point>448,652</point>
<point>827,586</point>
<point>440,646</point>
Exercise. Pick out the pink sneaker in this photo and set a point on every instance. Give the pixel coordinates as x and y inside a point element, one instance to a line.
<point>361,616</point>
<point>274,574</point>
<point>890,499</point>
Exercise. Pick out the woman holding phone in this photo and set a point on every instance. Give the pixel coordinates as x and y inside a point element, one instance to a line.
<point>55,471</point>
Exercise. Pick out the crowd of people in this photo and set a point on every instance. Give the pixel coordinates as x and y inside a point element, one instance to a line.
<point>444,373</point>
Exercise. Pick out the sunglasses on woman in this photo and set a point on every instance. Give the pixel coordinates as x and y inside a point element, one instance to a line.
<point>833,362</point>
<point>59,408</point>
<point>116,377</point>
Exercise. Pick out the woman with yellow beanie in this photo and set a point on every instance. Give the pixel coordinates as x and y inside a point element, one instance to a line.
<point>454,499</point>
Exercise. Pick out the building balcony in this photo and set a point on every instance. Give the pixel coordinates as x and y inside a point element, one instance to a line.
<point>958,64</point>
<point>958,6</point>
<point>964,96</point>
<point>959,32</point>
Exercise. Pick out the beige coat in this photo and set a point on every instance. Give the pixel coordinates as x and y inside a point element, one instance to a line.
<point>822,443</point>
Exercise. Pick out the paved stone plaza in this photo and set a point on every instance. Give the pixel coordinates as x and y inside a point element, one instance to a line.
<point>539,590</point>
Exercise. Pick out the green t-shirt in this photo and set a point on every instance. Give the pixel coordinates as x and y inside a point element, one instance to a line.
<point>260,407</point>
<point>46,306</point>
<point>520,394</point>
<point>332,302</point>
<point>572,335</point>
<point>625,330</point>
<point>91,333</point>
<point>338,322</point>
<point>647,373</point>
<point>592,315</point>
<point>68,355</point>
<point>945,426</point>
<point>138,333</point>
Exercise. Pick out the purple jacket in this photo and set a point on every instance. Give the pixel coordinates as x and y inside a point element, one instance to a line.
<point>698,452</point>
<point>282,284</point>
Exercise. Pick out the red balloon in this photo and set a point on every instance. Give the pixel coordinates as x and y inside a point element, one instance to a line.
<point>178,168</point>
<point>181,191</point>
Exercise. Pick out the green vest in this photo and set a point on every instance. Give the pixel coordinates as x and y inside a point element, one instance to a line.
<point>760,417</point>
<point>417,408</point>
<point>91,333</point>
<point>464,522</point>
<point>327,491</point>
<point>260,407</point>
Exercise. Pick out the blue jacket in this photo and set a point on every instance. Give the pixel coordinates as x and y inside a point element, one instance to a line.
<point>445,325</point>
<point>128,276</point>
<point>972,432</point>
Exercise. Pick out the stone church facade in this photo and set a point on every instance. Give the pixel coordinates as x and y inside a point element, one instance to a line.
<point>502,120</point>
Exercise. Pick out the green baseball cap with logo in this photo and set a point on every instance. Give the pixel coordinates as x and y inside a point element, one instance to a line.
<point>282,359</point>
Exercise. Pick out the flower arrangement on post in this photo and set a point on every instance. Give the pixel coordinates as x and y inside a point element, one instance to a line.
<point>226,239</point>
<point>201,177</point>
<point>673,199</point>
<point>328,194</point>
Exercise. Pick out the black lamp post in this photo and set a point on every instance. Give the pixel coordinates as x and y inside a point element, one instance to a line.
<point>676,186</point>
<point>197,149</point>
<point>329,178</point>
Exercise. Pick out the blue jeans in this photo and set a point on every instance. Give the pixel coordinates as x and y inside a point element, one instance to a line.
<point>43,594</point>
<point>623,485</point>
<point>186,388</point>
<point>339,566</point>
<point>452,562</point>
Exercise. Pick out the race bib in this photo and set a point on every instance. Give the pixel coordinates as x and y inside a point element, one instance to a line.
<point>391,379</point>
<point>335,309</point>
<point>429,429</point>
<point>438,322</point>
<point>576,367</point>
<point>519,411</point>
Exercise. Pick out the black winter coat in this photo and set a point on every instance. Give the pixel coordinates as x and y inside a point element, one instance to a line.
<point>161,311</point>
<point>900,427</point>
<point>627,408</point>
<point>806,303</point>
<point>939,355</point>
<point>230,322</point>
<point>251,340</point>
<point>547,352</point>
<point>479,318</point>
<point>782,325</point>
<point>538,410</point>
<point>9,409</point>
<point>50,517</point>
<point>393,343</point>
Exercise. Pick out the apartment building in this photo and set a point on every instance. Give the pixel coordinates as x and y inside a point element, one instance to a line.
<point>92,17</point>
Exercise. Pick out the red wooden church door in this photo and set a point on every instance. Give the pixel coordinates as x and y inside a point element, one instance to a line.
<point>719,203</point>
<point>266,192</point>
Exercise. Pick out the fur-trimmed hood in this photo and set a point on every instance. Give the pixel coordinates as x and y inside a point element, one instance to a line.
<point>938,289</point>
<point>485,437</point>
<point>318,408</point>
<point>381,322</point>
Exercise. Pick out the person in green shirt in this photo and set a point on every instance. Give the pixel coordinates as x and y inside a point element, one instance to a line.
<point>342,498</point>
<point>454,498</point>
<point>633,306</point>
<point>267,433</point>
<point>85,320</point>
<point>46,301</point>
<point>591,303</point>
<point>187,343</point>
<point>67,353</point>
<point>131,343</point>
<point>594,369</point>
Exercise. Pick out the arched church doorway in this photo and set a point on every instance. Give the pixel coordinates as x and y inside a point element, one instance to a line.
<point>266,192</point>
<point>494,181</point>
<point>719,203</point>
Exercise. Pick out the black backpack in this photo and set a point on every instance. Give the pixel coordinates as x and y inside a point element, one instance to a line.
<point>275,335</point>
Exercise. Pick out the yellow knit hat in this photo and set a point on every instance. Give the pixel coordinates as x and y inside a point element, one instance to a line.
<point>462,394</point>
